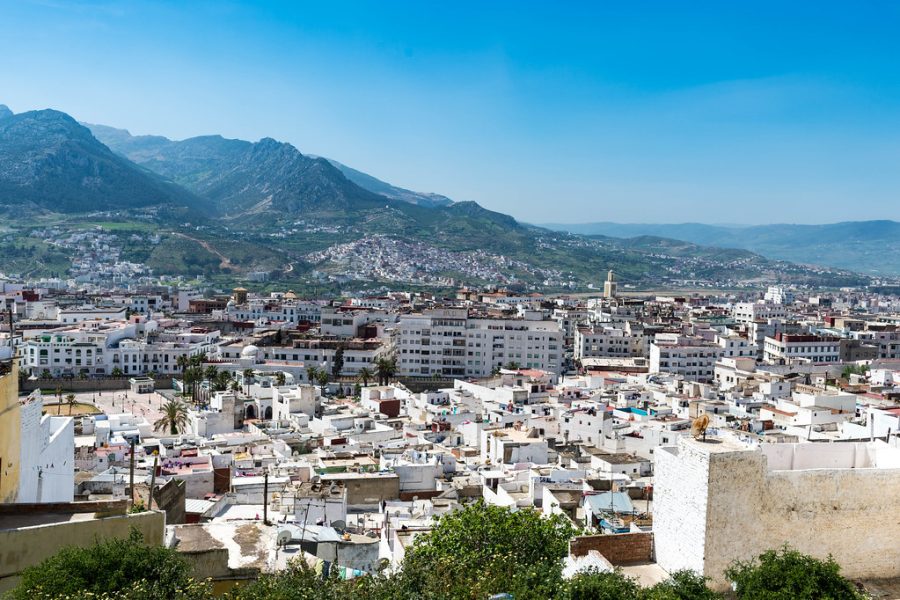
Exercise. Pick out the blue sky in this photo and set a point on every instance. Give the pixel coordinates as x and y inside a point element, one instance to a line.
<point>714,112</point>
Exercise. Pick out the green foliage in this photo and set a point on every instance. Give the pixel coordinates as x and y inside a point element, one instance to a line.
<point>116,568</point>
<point>337,365</point>
<point>385,368</point>
<point>682,585</point>
<point>786,574</point>
<point>596,585</point>
<point>854,370</point>
<point>174,417</point>
<point>482,550</point>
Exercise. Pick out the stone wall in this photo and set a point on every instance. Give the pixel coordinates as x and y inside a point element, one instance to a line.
<point>715,505</point>
<point>619,549</point>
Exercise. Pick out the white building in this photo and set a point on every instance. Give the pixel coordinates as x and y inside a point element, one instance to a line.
<point>692,358</point>
<point>778,294</point>
<point>589,424</point>
<point>451,343</point>
<point>47,459</point>
<point>751,312</point>
<point>788,348</point>
<point>608,341</point>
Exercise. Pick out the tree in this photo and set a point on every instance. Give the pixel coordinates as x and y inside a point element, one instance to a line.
<point>209,374</point>
<point>312,374</point>
<point>183,362</point>
<point>280,378</point>
<point>70,400</point>
<point>248,379</point>
<point>174,417</point>
<point>337,364</point>
<point>385,368</point>
<point>481,550</point>
<point>322,379</point>
<point>365,375</point>
<point>58,393</point>
<point>223,378</point>
<point>116,372</point>
<point>788,574</point>
<point>600,585</point>
<point>113,568</point>
<point>682,585</point>
<point>512,366</point>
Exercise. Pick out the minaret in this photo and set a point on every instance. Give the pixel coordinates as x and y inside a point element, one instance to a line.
<point>610,286</point>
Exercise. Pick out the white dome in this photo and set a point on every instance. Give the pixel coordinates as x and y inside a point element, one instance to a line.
<point>249,351</point>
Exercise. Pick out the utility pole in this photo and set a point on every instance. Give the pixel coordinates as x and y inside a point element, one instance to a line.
<point>266,498</point>
<point>131,472</point>
<point>152,482</point>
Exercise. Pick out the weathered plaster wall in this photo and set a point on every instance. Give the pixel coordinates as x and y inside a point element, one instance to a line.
<point>716,504</point>
<point>850,514</point>
<point>10,439</point>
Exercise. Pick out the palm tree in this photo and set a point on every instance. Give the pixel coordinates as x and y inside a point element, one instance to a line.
<point>385,368</point>
<point>312,374</point>
<point>322,378</point>
<point>183,362</point>
<point>116,372</point>
<point>70,400</point>
<point>58,400</point>
<point>210,373</point>
<point>280,378</point>
<point>222,380</point>
<point>365,375</point>
<point>248,377</point>
<point>174,417</point>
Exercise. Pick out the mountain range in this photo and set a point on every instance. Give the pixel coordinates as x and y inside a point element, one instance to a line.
<point>49,160</point>
<point>231,207</point>
<point>871,247</point>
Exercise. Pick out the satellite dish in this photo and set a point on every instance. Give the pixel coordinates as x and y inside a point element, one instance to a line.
<point>284,537</point>
<point>699,427</point>
<point>339,524</point>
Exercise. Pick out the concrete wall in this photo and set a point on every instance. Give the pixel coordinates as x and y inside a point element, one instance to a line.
<point>367,491</point>
<point>716,506</point>
<point>90,385</point>
<point>170,498</point>
<point>619,549</point>
<point>28,546</point>
<point>10,434</point>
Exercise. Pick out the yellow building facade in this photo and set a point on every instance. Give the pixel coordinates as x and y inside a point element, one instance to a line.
<point>10,431</point>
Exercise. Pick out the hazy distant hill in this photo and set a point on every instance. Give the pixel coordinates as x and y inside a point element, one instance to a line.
<point>50,162</point>
<point>864,246</point>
